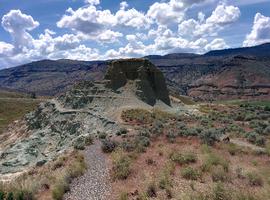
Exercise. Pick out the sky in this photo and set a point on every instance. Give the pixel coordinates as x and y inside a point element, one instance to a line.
<point>32,30</point>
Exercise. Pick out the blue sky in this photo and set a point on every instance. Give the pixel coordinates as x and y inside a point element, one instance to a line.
<point>104,29</point>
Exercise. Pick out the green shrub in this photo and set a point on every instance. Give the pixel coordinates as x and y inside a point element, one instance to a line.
<point>171,135</point>
<point>183,158</point>
<point>219,174</point>
<point>151,190</point>
<point>82,141</point>
<point>121,165</point>
<point>24,195</point>
<point>128,145</point>
<point>165,180</point>
<point>108,145</point>
<point>59,189</point>
<point>233,149</point>
<point>220,193</point>
<point>141,142</point>
<point>190,173</point>
<point>267,130</point>
<point>10,196</point>
<point>88,140</point>
<point>122,131</point>
<point>139,115</point>
<point>102,135</point>
<point>123,196</point>
<point>144,133</point>
<point>214,160</point>
<point>255,138</point>
<point>210,136</point>
<point>2,195</point>
<point>254,179</point>
<point>260,141</point>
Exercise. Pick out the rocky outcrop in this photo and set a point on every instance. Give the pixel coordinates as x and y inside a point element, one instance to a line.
<point>149,80</point>
<point>86,109</point>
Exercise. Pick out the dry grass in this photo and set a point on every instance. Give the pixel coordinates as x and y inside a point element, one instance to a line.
<point>14,109</point>
<point>199,179</point>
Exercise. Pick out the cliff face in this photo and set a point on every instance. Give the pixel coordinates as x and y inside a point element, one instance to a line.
<point>149,80</point>
<point>239,78</point>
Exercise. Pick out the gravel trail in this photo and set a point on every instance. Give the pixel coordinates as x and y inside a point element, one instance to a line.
<point>95,183</point>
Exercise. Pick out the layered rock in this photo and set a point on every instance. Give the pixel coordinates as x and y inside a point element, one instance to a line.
<point>84,110</point>
<point>149,80</point>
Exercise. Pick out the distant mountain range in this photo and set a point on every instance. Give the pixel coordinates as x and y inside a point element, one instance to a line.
<point>222,74</point>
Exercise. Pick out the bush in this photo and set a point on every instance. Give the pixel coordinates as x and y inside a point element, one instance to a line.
<point>218,174</point>
<point>171,135</point>
<point>220,193</point>
<point>144,133</point>
<point>267,130</point>
<point>251,137</point>
<point>254,179</point>
<point>151,190</point>
<point>59,189</point>
<point>210,136</point>
<point>121,165</point>
<point>123,196</point>
<point>183,158</point>
<point>260,141</point>
<point>102,135</point>
<point>165,180</point>
<point>255,138</point>
<point>122,131</point>
<point>24,195</point>
<point>108,145</point>
<point>2,195</point>
<point>214,160</point>
<point>10,196</point>
<point>82,141</point>
<point>190,173</point>
<point>233,149</point>
<point>141,142</point>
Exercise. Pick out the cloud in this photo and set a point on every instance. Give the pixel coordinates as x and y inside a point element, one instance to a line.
<point>132,18</point>
<point>92,2</point>
<point>87,20</point>
<point>260,32</point>
<point>123,5</point>
<point>170,12</point>
<point>6,49</point>
<point>216,44</point>
<point>109,36</point>
<point>130,32</point>
<point>222,16</point>
<point>18,25</point>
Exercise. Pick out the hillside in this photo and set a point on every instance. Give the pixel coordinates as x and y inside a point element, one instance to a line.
<point>14,106</point>
<point>202,76</point>
<point>126,138</point>
<point>48,77</point>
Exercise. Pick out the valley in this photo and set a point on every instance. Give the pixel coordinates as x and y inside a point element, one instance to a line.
<point>124,138</point>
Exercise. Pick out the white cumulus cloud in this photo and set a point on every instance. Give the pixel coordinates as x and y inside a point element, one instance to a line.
<point>18,25</point>
<point>260,32</point>
<point>216,44</point>
<point>221,17</point>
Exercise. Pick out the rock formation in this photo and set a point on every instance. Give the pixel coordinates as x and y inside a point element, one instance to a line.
<point>84,110</point>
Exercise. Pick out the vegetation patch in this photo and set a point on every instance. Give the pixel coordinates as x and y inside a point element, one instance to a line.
<point>121,165</point>
<point>54,178</point>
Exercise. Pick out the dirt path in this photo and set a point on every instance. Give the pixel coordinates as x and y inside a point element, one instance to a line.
<point>95,183</point>
<point>246,144</point>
